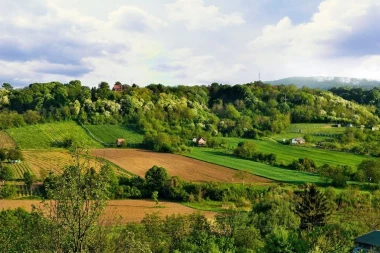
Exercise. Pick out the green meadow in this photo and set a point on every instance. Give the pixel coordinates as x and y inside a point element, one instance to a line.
<point>287,153</point>
<point>43,136</point>
<point>110,133</point>
<point>218,156</point>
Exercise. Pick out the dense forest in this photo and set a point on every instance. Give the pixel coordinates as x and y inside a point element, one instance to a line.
<point>160,112</point>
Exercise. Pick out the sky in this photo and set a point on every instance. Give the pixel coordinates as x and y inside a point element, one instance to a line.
<point>186,42</point>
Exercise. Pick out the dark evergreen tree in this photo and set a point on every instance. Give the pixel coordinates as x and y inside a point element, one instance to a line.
<point>312,207</point>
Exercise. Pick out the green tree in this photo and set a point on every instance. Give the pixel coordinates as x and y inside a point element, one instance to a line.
<point>77,199</point>
<point>371,170</point>
<point>6,173</point>
<point>245,149</point>
<point>155,196</point>
<point>3,155</point>
<point>29,179</point>
<point>156,179</point>
<point>15,154</point>
<point>312,207</point>
<point>8,191</point>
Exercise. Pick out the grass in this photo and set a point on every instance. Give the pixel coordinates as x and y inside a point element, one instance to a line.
<point>319,132</point>
<point>42,136</point>
<point>287,153</point>
<point>110,133</point>
<point>221,158</point>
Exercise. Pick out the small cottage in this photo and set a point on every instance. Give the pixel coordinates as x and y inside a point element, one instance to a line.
<point>367,242</point>
<point>200,141</point>
<point>375,128</point>
<point>118,87</point>
<point>298,140</point>
<point>120,142</point>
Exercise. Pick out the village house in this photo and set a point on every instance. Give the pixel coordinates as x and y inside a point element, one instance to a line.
<point>298,140</point>
<point>200,141</point>
<point>366,242</point>
<point>375,128</point>
<point>118,87</point>
<point>120,142</point>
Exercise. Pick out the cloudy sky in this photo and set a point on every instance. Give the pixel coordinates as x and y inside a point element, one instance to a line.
<point>187,41</point>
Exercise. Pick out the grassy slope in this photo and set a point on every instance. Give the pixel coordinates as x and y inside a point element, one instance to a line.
<point>264,170</point>
<point>110,133</point>
<point>41,136</point>
<point>287,153</point>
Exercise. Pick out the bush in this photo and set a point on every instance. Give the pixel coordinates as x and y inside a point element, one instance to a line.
<point>8,191</point>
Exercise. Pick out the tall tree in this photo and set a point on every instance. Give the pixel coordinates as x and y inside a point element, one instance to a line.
<point>312,207</point>
<point>78,198</point>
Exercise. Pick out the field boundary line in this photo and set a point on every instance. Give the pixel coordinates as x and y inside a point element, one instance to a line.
<point>92,135</point>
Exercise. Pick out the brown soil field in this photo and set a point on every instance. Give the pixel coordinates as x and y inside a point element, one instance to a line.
<point>139,162</point>
<point>6,141</point>
<point>121,211</point>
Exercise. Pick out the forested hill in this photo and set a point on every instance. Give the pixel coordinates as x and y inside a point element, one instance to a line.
<point>242,110</point>
<point>326,83</point>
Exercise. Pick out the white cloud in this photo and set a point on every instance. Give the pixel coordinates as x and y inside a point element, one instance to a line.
<point>135,19</point>
<point>327,44</point>
<point>196,15</point>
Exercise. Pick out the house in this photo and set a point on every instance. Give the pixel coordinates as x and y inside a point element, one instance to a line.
<point>298,140</point>
<point>200,141</point>
<point>118,87</point>
<point>120,142</point>
<point>368,241</point>
<point>375,128</point>
<point>337,125</point>
<point>349,125</point>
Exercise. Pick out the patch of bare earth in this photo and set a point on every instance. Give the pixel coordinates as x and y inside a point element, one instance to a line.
<point>121,211</point>
<point>6,141</point>
<point>139,162</point>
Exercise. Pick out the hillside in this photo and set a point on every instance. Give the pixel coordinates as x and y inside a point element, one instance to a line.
<point>50,135</point>
<point>321,82</point>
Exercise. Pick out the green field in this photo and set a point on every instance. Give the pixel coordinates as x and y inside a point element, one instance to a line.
<point>319,132</point>
<point>221,158</point>
<point>110,133</point>
<point>42,136</point>
<point>287,153</point>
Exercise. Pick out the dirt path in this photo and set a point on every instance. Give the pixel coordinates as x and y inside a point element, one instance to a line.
<point>139,162</point>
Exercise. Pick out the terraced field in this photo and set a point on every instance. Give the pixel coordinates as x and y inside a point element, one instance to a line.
<point>43,136</point>
<point>6,141</point>
<point>110,133</point>
<point>41,162</point>
<point>287,153</point>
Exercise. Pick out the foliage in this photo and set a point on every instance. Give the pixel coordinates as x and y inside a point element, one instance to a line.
<point>6,173</point>
<point>156,179</point>
<point>312,207</point>
<point>77,199</point>
<point>8,191</point>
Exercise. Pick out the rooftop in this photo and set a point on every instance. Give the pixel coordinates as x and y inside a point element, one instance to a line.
<point>371,238</point>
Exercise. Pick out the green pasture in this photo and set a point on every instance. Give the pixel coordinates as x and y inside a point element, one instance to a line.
<point>319,132</point>
<point>110,133</point>
<point>287,153</point>
<point>222,158</point>
<point>42,136</point>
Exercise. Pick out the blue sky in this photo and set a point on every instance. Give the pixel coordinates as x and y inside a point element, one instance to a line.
<point>187,41</point>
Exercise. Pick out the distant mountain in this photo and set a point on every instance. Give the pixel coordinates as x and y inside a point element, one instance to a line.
<point>325,83</point>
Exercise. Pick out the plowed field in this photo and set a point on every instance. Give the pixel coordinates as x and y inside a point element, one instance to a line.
<point>6,141</point>
<point>129,210</point>
<point>139,162</point>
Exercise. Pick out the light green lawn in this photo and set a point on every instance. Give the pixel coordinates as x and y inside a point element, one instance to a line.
<point>41,136</point>
<point>221,158</point>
